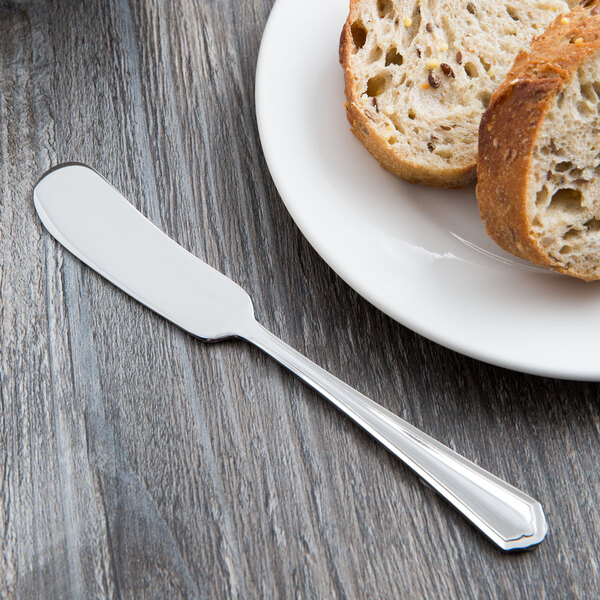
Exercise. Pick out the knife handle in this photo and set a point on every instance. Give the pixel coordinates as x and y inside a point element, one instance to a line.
<point>510,518</point>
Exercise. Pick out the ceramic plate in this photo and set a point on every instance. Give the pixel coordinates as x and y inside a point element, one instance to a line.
<point>419,254</point>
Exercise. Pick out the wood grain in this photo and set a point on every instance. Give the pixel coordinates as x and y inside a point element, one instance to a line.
<point>136,462</point>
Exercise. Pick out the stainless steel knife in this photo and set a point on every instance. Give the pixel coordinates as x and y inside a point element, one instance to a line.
<point>90,218</point>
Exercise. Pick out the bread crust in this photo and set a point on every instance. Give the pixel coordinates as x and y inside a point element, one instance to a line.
<point>363,128</point>
<point>509,129</point>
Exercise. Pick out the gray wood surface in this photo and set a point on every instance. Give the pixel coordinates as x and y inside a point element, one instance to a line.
<point>136,462</point>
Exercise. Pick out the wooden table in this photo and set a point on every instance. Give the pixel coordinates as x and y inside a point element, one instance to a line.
<point>136,462</point>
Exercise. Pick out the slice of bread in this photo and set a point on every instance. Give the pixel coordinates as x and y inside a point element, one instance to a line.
<point>420,73</point>
<point>539,150</point>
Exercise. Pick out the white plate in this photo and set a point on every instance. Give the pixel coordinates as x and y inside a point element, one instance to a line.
<point>419,254</point>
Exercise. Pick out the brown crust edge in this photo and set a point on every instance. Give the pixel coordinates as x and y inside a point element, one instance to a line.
<point>364,130</point>
<point>505,154</point>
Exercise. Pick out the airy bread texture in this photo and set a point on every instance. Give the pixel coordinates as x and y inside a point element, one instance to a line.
<point>539,150</point>
<point>420,73</point>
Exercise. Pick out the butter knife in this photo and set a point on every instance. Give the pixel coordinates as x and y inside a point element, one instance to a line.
<point>90,218</point>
